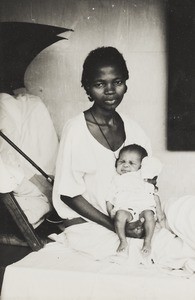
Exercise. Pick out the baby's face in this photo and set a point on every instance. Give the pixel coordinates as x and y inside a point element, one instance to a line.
<point>129,161</point>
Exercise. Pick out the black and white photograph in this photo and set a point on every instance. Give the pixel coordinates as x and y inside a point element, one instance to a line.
<point>97,105</point>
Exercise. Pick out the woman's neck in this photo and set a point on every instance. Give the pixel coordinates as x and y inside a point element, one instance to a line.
<point>103,117</point>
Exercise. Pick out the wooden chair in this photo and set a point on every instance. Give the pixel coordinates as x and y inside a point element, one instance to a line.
<point>31,238</point>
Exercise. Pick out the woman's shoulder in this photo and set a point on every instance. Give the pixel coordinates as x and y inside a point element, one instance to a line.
<point>76,120</point>
<point>74,123</point>
<point>128,119</point>
<point>135,133</point>
<point>130,123</point>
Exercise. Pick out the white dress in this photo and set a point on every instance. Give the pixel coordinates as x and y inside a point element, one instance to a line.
<point>131,193</point>
<point>85,167</point>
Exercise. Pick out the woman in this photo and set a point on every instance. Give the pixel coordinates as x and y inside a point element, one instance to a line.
<point>90,144</point>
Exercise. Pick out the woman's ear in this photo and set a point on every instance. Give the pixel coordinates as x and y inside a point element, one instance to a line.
<point>88,94</point>
<point>125,88</point>
<point>90,99</point>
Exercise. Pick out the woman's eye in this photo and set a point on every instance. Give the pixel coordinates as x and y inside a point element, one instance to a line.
<point>99,85</point>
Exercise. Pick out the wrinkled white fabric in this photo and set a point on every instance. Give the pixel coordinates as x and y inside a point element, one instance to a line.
<point>34,204</point>
<point>10,177</point>
<point>26,121</point>
<point>59,272</point>
<point>82,258</point>
<point>130,191</point>
<point>85,167</point>
<point>180,215</point>
<point>168,251</point>
<point>151,167</point>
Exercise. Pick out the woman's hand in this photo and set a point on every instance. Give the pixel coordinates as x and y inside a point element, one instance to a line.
<point>86,210</point>
<point>135,229</point>
<point>152,181</point>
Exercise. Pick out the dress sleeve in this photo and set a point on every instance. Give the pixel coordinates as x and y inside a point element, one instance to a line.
<point>74,162</point>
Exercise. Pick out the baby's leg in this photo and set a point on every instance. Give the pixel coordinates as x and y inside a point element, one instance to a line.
<point>121,217</point>
<point>149,230</point>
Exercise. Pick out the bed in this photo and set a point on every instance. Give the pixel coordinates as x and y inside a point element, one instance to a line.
<point>70,270</point>
<point>58,272</point>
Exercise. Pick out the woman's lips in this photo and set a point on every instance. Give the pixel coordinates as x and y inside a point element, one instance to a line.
<point>110,101</point>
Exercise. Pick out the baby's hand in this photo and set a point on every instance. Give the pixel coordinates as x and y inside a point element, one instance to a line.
<point>135,229</point>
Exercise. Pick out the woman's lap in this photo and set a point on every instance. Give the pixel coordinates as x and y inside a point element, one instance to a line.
<point>101,243</point>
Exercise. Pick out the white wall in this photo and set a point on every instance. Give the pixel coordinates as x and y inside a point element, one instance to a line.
<point>137,29</point>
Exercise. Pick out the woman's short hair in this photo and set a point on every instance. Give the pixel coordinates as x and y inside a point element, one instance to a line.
<point>102,56</point>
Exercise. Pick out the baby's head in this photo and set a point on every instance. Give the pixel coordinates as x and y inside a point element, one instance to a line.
<point>101,57</point>
<point>130,159</point>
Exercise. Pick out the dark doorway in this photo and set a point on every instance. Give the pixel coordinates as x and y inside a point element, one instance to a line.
<point>181,79</point>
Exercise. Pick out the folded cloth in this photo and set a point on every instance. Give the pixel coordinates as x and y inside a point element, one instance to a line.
<point>171,252</point>
<point>33,202</point>
<point>180,214</point>
<point>151,167</point>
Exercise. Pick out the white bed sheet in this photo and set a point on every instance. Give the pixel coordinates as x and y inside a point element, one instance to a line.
<point>57,272</point>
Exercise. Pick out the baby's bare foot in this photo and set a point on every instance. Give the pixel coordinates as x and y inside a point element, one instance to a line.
<point>123,247</point>
<point>146,249</point>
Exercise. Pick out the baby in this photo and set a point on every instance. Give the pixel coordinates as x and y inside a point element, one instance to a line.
<point>132,197</point>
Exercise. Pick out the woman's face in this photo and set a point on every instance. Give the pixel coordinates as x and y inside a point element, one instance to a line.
<point>107,88</point>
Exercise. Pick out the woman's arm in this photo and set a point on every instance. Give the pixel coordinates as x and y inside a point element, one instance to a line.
<point>85,209</point>
<point>109,207</point>
<point>159,213</point>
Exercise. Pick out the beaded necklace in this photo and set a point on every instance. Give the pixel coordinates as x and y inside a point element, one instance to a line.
<point>103,134</point>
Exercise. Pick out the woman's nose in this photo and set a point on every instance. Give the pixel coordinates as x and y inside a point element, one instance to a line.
<point>110,89</point>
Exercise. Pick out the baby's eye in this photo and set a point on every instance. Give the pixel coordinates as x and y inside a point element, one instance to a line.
<point>118,82</point>
<point>121,161</point>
